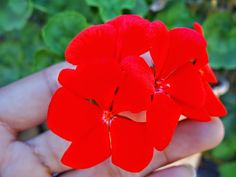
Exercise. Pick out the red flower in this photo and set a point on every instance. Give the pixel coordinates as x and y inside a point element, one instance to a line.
<point>181,82</point>
<point>110,78</point>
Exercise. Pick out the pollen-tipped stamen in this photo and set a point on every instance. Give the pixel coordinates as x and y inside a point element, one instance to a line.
<point>107,116</point>
<point>161,86</point>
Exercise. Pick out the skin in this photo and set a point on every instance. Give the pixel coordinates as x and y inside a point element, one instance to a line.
<point>24,104</point>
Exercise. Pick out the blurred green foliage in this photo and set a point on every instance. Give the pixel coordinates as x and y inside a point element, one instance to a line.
<point>14,14</point>
<point>220,29</point>
<point>227,170</point>
<point>34,34</point>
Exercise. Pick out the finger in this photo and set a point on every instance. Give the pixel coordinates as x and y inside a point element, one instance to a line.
<point>6,137</point>
<point>24,103</point>
<point>101,170</point>
<point>20,161</point>
<point>190,137</point>
<point>16,158</point>
<point>49,149</point>
<point>178,171</point>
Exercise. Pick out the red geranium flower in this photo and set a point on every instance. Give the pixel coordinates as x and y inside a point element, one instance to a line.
<point>181,82</point>
<point>110,78</point>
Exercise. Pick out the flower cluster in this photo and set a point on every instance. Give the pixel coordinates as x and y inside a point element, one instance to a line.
<point>123,67</point>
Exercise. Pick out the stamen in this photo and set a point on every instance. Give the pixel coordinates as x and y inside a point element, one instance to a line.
<point>107,117</point>
<point>162,86</point>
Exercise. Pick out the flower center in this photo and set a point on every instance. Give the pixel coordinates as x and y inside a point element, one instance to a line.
<point>161,86</point>
<point>107,116</point>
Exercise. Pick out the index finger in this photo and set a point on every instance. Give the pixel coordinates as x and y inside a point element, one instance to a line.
<point>24,103</point>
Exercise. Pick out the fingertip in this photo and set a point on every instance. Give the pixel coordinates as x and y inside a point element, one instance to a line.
<point>52,74</point>
<point>206,134</point>
<point>217,131</point>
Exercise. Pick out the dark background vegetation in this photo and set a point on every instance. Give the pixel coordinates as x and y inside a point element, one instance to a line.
<point>34,34</point>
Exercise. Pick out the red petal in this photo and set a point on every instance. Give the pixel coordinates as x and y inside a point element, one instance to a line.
<point>159,37</point>
<point>208,74</point>
<point>185,45</point>
<point>193,113</point>
<point>213,105</point>
<point>97,43</point>
<point>89,151</point>
<point>186,86</point>
<point>198,27</point>
<point>132,35</point>
<point>135,90</point>
<point>131,148</point>
<point>70,116</point>
<point>94,81</point>
<point>162,119</point>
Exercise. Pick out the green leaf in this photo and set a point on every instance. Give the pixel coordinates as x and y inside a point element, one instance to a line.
<point>228,169</point>
<point>220,31</point>
<point>227,149</point>
<point>53,7</point>
<point>110,9</point>
<point>141,8</point>
<point>10,52</point>
<point>61,28</point>
<point>223,151</point>
<point>12,62</point>
<point>229,121</point>
<point>26,41</point>
<point>31,39</point>
<point>176,15</point>
<point>14,14</point>
<point>44,58</point>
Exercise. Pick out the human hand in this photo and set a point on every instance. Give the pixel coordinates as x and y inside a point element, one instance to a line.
<point>24,105</point>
